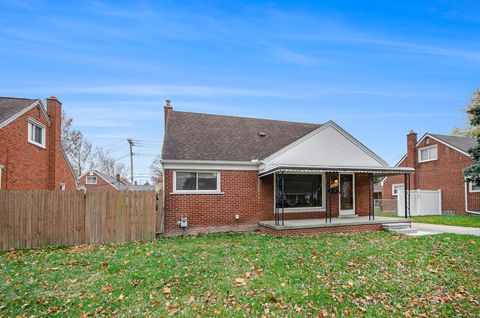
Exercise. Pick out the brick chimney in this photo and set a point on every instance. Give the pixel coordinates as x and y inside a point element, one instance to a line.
<point>411,160</point>
<point>117,177</point>
<point>167,110</point>
<point>54,111</point>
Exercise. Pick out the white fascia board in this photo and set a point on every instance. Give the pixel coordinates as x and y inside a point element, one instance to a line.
<point>25,110</point>
<point>209,165</point>
<point>442,142</point>
<point>339,130</point>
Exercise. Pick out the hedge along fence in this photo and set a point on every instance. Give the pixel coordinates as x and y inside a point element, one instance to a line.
<point>38,218</point>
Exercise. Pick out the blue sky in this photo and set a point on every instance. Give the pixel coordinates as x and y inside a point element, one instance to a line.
<point>377,68</point>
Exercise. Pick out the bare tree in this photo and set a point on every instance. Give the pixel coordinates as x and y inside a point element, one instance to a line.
<point>105,163</point>
<point>75,146</point>
<point>156,169</point>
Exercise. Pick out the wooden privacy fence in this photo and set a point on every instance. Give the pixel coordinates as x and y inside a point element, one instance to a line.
<point>37,218</point>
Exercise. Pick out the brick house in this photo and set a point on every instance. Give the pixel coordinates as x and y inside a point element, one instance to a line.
<point>97,180</point>
<point>224,173</point>
<point>31,156</point>
<point>438,161</point>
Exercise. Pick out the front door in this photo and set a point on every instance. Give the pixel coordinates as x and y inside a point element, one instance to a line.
<point>347,194</point>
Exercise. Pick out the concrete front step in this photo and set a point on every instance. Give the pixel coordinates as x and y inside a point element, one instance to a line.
<point>399,228</point>
<point>388,226</point>
<point>403,231</point>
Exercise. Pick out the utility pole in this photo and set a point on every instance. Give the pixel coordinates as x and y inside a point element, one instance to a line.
<point>130,141</point>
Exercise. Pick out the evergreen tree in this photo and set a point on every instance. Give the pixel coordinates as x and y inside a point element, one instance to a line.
<point>472,173</point>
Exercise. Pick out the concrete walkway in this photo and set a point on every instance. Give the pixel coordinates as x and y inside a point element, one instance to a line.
<point>437,229</point>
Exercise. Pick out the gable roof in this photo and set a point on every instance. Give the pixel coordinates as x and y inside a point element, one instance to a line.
<point>458,142</point>
<point>197,136</point>
<point>9,106</point>
<point>13,107</point>
<point>119,185</point>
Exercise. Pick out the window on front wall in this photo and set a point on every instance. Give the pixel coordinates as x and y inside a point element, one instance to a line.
<point>427,153</point>
<point>474,187</point>
<point>36,133</point>
<point>91,180</point>
<point>396,187</point>
<point>196,181</point>
<point>302,191</point>
<point>62,187</point>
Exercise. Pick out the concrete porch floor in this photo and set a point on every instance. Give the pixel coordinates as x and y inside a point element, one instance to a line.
<point>319,223</point>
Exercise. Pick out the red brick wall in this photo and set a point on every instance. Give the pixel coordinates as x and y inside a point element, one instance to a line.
<point>321,230</point>
<point>445,173</point>
<point>26,165</point>
<point>245,194</point>
<point>101,184</point>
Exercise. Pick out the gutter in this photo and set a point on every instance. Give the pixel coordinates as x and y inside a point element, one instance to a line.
<point>466,202</point>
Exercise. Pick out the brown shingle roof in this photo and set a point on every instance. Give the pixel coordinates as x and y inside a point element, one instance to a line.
<point>195,136</point>
<point>9,106</point>
<point>459,142</point>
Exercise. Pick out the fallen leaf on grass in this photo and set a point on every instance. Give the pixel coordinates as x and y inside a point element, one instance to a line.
<point>166,290</point>
<point>240,281</point>
<point>272,298</point>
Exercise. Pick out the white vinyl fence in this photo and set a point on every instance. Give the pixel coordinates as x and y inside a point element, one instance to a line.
<point>422,202</point>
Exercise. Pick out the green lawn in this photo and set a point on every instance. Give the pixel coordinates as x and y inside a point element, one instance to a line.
<point>457,220</point>
<point>373,274</point>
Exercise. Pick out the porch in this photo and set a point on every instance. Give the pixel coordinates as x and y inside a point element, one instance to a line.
<point>337,198</point>
<point>318,226</point>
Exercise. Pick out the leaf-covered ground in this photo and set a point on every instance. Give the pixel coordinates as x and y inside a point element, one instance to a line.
<point>248,275</point>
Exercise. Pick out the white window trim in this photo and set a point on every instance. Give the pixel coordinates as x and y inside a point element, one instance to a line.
<point>32,121</point>
<point>304,209</point>
<point>86,180</point>
<point>393,188</point>
<point>425,148</point>
<point>216,191</point>
<point>63,187</point>
<point>470,188</point>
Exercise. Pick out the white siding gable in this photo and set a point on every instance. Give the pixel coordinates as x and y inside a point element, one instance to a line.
<point>329,146</point>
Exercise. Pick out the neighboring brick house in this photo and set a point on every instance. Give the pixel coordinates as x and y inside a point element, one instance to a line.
<point>31,156</point>
<point>439,161</point>
<point>96,180</point>
<point>225,173</point>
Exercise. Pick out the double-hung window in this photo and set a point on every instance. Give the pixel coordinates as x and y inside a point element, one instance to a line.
<point>36,133</point>
<point>474,187</point>
<point>196,181</point>
<point>396,187</point>
<point>427,154</point>
<point>91,180</point>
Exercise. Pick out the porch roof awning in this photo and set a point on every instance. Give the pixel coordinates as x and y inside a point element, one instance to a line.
<point>378,171</point>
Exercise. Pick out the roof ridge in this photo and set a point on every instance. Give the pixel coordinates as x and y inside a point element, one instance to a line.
<point>255,118</point>
<point>19,98</point>
<point>451,136</point>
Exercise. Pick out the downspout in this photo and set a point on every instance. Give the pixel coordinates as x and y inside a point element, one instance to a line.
<point>466,201</point>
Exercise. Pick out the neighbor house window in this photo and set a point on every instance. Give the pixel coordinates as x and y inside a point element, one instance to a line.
<point>474,187</point>
<point>62,187</point>
<point>396,187</point>
<point>197,181</point>
<point>91,179</point>
<point>1,170</point>
<point>36,133</point>
<point>427,153</point>
<point>301,191</point>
